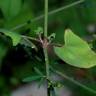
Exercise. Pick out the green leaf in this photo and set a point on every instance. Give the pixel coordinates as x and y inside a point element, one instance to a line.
<point>38,71</point>
<point>16,38</point>
<point>51,37</point>
<point>76,51</point>
<point>25,15</point>
<point>10,8</point>
<point>39,30</point>
<point>32,78</point>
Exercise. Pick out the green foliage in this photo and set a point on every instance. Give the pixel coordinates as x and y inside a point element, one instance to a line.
<point>39,30</point>
<point>52,36</point>
<point>76,52</point>
<point>23,16</point>
<point>17,19</point>
<point>14,36</point>
<point>10,8</point>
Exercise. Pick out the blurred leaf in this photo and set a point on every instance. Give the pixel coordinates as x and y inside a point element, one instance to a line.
<point>87,11</point>
<point>32,78</point>
<point>38,71</point>
<point>94,45</point>
<point>10,8</point>
<point>14,36</point>
<point>51,37</point>
<point>39,30</point>
<point>25,15</point>
<point>76,52</point>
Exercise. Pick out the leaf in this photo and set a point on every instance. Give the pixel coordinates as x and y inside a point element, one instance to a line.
<point>51,37</point>
<point>76,51</point>
<point>32,78</point>
<point>25,15</point>
<point>10,8</point>
<point>38,71</point>
<point>14,36</point>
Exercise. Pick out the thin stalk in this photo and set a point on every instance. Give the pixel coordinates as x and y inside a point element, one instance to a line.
<point>47,63</point>
<point>31,38</point>
<point>45,44</point>
<point>46,19</point>
<point>45,35</point>
<point>74,81</point>
<point>50,13</point>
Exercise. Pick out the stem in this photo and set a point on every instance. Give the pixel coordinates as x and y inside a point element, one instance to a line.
<point>31,38</point>
<point>46,19</point>
<point>74,81</point>
<point>47,63</point>
<point>45,35</point>
<point>45,44</point>
<point>50,13</point>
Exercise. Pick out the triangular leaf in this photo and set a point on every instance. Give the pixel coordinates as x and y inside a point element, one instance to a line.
<point>14,36</point>
<point>76,51</point>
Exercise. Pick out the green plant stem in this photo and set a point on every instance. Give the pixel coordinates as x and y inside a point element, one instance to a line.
<point>46,19</point>
<point>45,45</point>
<point>74,81</point>
<point>47,69</point>
<point>47,63</point>
<point>50,13</point>
<point>45,36</point>
<point>31,38</point>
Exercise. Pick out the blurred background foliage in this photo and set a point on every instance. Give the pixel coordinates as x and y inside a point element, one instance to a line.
<point>18,62</point>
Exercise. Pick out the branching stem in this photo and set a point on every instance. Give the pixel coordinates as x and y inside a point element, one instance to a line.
<point>45,42</point>
<point>74,81</point>
<point>50,13</point>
